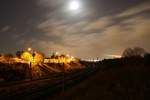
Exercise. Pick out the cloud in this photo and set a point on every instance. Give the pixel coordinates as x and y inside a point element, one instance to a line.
<point>135,10</point>
<point>5,28</point>
<point>99,37</point>
<point>98,24</point>
<point>50,3</point>
<point>133,34</point>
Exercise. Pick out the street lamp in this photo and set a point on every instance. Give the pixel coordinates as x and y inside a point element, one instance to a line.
<point>29,49</point>
<point>31,60</point>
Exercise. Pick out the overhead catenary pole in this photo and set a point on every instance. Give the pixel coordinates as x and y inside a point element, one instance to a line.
<point>30,65</point>
<point>63,78</point>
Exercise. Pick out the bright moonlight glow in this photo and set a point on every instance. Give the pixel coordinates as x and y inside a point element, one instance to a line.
<point>74,5</point>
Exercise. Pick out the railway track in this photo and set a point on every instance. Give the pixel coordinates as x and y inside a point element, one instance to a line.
<point>40,88</point>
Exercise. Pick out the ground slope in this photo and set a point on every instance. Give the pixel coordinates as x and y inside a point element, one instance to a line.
<point>124,82</point>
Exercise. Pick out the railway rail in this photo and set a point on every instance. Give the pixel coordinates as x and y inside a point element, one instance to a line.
<point>39,88</point>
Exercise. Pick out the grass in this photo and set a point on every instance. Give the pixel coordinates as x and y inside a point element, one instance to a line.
<point>124,82</point>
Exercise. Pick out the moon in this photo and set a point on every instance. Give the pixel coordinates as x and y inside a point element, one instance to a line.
<point>74,5</point>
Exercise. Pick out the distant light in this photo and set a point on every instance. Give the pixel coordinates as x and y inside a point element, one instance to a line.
<point>29,49</point>
<point>114,56</point>
<point>72,57</point>
<point>68,55</point>
<point>56,53</point>
<point>74,5</point>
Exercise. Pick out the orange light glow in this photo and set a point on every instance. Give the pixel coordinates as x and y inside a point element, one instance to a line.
<point>27,56</point>
<point>66,59</point>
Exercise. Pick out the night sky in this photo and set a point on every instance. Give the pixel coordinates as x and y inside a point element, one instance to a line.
<point>98,28</point>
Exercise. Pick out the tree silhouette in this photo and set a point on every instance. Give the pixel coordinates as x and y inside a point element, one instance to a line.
<point>139,51</point>
<point>134,52</point>
<point>19,53</point>
<point>147,58</point>
<point>8,57</point>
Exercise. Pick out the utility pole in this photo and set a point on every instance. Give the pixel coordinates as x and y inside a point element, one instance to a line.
<point>30,67</point>
<point>63,78</point>
<point>33,55</point>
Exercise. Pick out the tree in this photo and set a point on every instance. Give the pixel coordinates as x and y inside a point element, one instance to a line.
<point>8,58</point>
<point>147,58</point>
<point>19,53</point>
<point>9,55</point>
<point>39,57</point>
<point>139,51</point>
<point>127,52</point>
<point>134,52</point>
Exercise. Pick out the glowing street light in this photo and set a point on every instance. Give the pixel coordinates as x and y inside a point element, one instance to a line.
<point>29,49</point>
<point>56,53</point>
